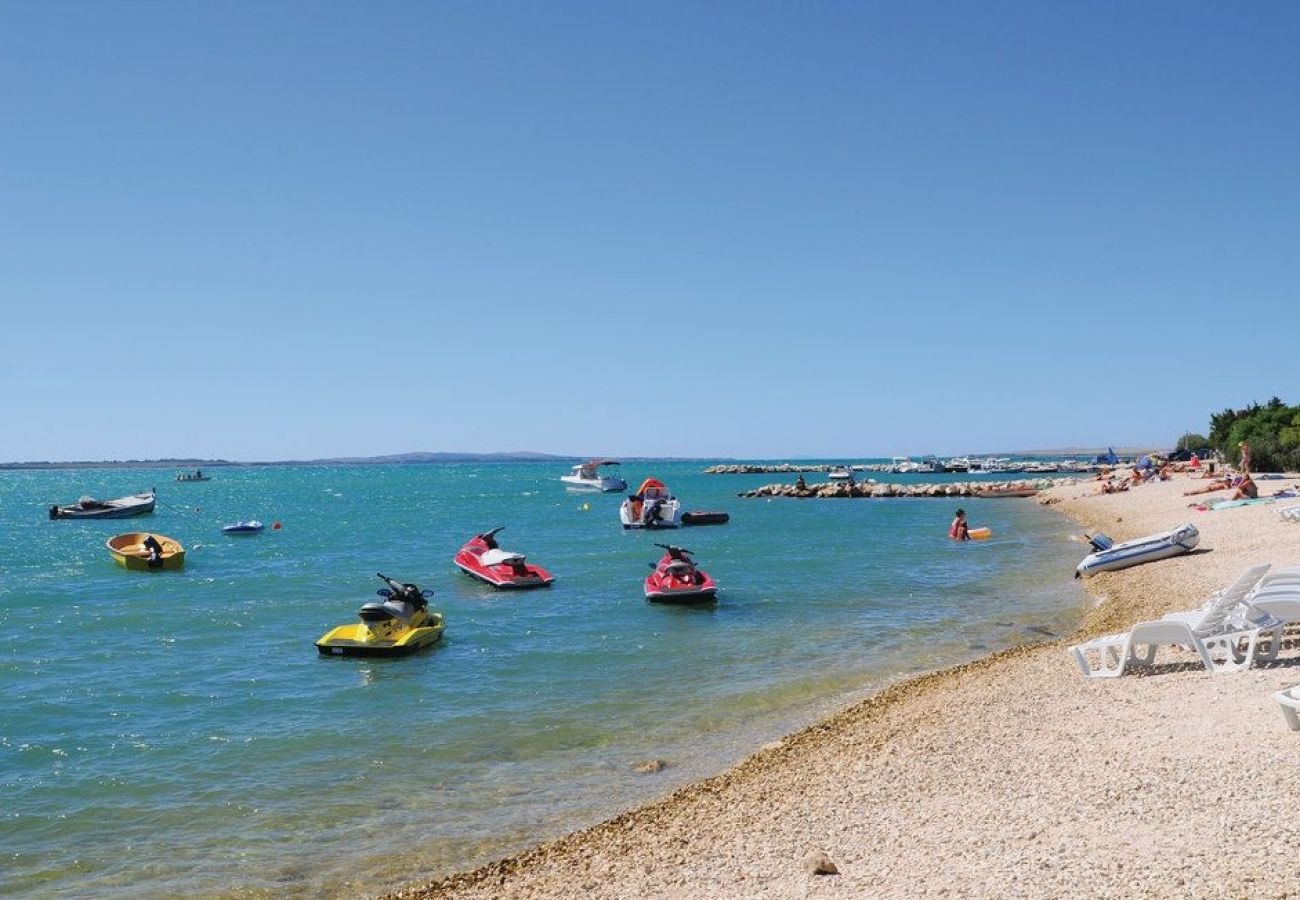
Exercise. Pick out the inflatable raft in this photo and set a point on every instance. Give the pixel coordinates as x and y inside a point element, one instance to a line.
<point>1110,556</point>
<point>705,517</point>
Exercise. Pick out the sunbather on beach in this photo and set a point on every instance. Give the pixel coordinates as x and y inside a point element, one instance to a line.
<point>1246,490</point>
<point>1219,484</point>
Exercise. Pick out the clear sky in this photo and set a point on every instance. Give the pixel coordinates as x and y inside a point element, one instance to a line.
<point>274,230</point>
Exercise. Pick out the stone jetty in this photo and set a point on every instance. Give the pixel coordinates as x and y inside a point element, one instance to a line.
<point>772,468</point>
<point>864,489</point>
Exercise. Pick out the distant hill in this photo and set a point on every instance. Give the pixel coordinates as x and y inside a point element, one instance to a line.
<point>390,459</point>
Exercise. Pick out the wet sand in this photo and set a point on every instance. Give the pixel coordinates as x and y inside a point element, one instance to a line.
<point>1009,776</point>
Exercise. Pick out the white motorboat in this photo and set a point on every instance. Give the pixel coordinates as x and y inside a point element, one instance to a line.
<point>587,477</point>
<point>652,506</point>
<point>840,473</point>
<point>902,465</point>
<point>1110,556</point>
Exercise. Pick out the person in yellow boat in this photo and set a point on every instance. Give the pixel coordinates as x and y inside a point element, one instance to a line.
<point>154,549</point>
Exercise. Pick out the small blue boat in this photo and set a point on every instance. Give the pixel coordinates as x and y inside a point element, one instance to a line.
<point>252,526</point>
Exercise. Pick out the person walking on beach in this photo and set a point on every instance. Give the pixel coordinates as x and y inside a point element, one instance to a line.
<point>959,530</point>
<point>1245,457</point>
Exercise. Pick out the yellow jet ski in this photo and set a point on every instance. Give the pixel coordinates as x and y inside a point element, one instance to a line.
<point>398,625</point>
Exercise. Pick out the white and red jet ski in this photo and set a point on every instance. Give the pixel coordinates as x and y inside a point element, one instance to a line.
<point>676,579</point>
<point>484,560</point>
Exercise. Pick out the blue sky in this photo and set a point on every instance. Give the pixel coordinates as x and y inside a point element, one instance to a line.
<point>265,231</point>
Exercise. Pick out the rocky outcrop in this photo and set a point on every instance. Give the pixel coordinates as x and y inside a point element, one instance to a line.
<point>870,489</point>
<point>769,468</point>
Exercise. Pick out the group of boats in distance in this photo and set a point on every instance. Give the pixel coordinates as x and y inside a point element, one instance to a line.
<point>997,465</point>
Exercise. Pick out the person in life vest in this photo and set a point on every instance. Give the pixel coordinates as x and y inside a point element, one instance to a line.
<point>959,530</point>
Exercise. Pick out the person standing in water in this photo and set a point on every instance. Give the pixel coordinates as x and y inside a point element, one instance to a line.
<point>959,530</point>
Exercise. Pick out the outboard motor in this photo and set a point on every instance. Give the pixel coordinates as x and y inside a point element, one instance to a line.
<point>1100,542</point>
<point>654,515</point>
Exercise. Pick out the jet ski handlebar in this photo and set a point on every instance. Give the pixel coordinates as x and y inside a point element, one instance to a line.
<point>401,589</point>
<point>675,552</point>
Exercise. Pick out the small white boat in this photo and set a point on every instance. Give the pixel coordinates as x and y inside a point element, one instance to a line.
<point>121,508</point>
<point>252,526</point>
<point>1111,556</point>
<point>840,473</point>
<point>902,465</point>
<point>587,477</point>
<point>652,506</point>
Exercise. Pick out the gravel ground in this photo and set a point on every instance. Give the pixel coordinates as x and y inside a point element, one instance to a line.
<point>1009,776</point>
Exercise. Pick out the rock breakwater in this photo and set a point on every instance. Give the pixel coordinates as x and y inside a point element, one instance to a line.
<point>842,489</point>
<point>772,468</point>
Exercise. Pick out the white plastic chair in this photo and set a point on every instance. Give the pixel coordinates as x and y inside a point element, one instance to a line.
<point>1289,700</point>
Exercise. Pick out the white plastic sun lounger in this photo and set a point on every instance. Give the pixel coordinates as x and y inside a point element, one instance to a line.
<point>1290,513</point>
<point>1224,651</point>
<point>1220,605</point>
<point>1289,700</point>
<point>1218,632</point>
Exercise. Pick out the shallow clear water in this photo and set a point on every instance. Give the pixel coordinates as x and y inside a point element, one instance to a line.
<point>178,732</point>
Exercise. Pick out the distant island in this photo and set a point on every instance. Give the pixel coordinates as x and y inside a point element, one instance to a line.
<point>390,459</point>
<point>422,456</point>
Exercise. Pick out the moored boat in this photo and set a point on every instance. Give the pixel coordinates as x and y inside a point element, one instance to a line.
<point>483,559</point>
<point>121,508</point>
<point>196,475</point>
<point>676,579</point>
<point>840,473</point>
<point>994,492</point>
<point>252,526</point>
<point>398,625</point>
<point>705,517</point>
<point>145,551</point>
<point>587,477</point>
<point>1110,556</point>
<point>652,506</point>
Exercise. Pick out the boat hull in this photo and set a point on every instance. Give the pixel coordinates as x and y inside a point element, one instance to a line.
<point>243,528</point>
<point>121,508</point>
<point>1142,550</point>
<point>128,551</point>
<point>360,640</point>
<point>701,517</point>
<point>599,486</point>
<point>694,595</point>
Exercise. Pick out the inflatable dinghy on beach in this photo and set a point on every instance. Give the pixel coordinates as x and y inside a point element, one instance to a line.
<point>1111,556</point>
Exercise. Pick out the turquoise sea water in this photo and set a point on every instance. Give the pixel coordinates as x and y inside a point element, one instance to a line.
<point>176,732</point>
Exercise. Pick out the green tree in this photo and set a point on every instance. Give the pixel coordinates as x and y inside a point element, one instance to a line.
<point>1191,441</point>
<point>1272,431</point>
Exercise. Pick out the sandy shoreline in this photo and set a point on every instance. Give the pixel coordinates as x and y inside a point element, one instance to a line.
<point>1011,775</point>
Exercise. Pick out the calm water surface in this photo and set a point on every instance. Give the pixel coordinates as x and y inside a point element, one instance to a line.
<point>178,732</point>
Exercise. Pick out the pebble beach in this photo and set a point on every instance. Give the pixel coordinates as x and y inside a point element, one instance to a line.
<point>1009,776</point>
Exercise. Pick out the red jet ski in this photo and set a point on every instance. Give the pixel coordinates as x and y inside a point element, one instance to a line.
<point>676,579</point>
<point>486,561</point>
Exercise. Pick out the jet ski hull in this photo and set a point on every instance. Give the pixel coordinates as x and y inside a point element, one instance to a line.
<point>360,640</point>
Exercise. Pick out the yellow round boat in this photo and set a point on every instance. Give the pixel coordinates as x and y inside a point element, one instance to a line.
<point>144,551</point>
